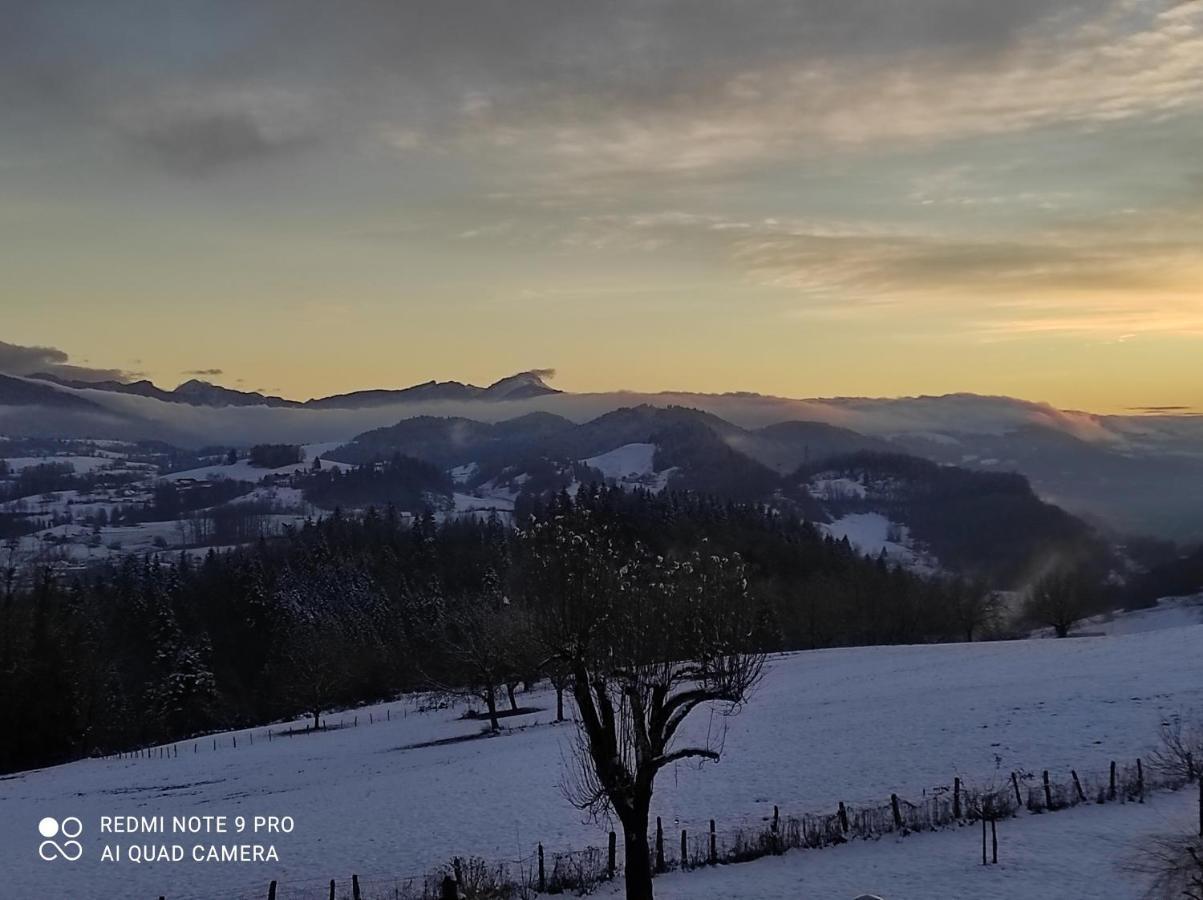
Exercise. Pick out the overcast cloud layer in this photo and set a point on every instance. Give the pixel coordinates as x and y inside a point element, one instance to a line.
<point>791,178</point>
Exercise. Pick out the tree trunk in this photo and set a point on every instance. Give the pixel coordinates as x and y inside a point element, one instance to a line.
<point>559,704</point>
<point>638,863</point>
<point>491,702</point>
<point>509,689</point>
<point>317,721</point>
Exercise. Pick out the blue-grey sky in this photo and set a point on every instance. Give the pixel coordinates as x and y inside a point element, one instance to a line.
<point>814,197</point>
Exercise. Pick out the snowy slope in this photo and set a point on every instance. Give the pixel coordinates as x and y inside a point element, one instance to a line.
<point>631,465</point>
<point>1074,854</point>
<point>244,471</point>
<point>872,534</point>
<point>851,724</point>
<point>629,460</point>
<point>81,464</point>
<point>1171,612</point>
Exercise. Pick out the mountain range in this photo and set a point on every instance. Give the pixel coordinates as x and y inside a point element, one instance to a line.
<point>1130,474</point>
<point>197,392</point>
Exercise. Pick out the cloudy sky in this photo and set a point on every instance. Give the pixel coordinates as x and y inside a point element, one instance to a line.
<point>799,197</point>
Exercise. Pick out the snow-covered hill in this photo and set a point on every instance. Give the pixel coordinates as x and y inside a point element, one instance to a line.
<point>852,725</point>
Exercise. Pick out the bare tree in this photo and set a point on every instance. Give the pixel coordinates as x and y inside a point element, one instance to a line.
<point>484,639</point>
<point>1058,599</point>
<point>1173,865</point>
<point>1181,752</point>
<point>646,641</point>
<point>973,606</point>
<point>310,666</point>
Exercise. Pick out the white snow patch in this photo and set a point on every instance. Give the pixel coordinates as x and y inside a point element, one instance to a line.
<point>1169,612</point>
<point>463,474</point>
<point>870,533</point>
<point>625,462</point>
<point>827,486</point>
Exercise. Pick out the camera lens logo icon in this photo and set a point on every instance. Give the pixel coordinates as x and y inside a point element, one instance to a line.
<point>69,849</point>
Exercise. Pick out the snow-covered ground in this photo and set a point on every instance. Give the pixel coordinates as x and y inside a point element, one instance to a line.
<point>825,726</point>
<point>1073,854</point>
<point>1170,612</point>
<point>872,533</point>
<point>242,470</point>
<point>830,486</point>
<point>632,465</point>
<point>625,461</point>
<point>82,464</point>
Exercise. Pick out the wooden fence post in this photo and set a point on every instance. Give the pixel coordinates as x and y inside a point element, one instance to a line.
<point>684,851</point>
<point>611,862</point>
<point>271,891</point>
<point>1048,793</point>
<point>956,798</point>
<point>843,817</point>
<point>776,830</point>
<point>331,889</point>
<point>713,845</point>
<point>542,872</point>
<point>659,845</point>
<point>897,811</point>
<point>1078,785</point>
<point>994,839</point>
<point>1015,784</point>
<point>1140,780</point>
<point>355,888</point>
<point>983,840</point>
<point>1111,790</point>
<point>234,737</point>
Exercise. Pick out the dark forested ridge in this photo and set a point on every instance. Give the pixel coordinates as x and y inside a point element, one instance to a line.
<point>987,524</point>
<point>350,609</point>
<point>403,482</point>
<point>983,524</point>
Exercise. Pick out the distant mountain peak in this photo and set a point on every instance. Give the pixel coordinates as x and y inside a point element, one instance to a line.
<point>521,386</point>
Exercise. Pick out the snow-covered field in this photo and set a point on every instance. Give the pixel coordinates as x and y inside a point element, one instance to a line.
<point>81,464</point>
<point>825,726</point>
<point>872,534</point>
<point>632,465</point>
<point>1079,853</point>
<point>242,470</point>
<point>1168,613</point>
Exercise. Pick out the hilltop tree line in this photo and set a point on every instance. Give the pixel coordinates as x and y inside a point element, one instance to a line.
<point>346,610</point>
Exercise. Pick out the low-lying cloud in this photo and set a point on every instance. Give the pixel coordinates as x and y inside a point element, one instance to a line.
<point>16,359</point>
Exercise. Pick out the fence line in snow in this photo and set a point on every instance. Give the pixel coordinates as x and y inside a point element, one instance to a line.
<point>229,740</point>
<point>580,871</point>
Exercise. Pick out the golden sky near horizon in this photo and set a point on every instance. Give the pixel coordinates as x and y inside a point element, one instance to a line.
<point>810,198</point>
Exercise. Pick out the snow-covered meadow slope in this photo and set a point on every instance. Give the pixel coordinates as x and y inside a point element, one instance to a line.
<point>847,725</point>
